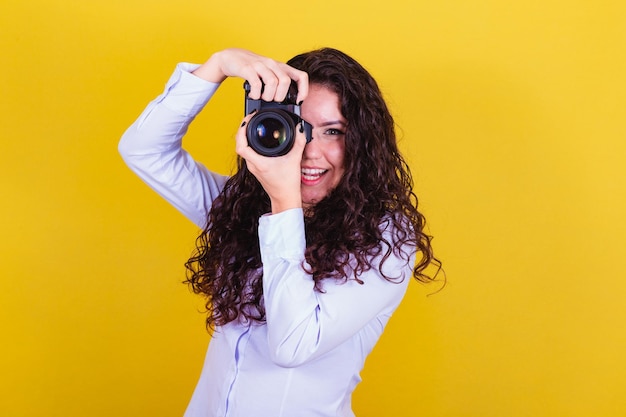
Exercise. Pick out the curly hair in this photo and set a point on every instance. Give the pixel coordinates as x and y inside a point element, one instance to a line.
<point>343,232</point>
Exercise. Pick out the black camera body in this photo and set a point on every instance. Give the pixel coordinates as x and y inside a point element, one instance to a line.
<point>272,130</point>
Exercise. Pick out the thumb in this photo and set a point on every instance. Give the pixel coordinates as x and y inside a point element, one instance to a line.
<point>300,140</point>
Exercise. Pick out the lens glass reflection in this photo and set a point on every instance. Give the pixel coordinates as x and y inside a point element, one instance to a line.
<point>271,133</point>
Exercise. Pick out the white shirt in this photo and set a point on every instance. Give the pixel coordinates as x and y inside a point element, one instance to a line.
<point>305,360</point>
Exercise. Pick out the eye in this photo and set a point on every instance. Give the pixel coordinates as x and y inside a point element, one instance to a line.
<point>334,132</point>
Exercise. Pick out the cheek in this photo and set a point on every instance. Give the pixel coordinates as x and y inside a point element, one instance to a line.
<point>335,154</point>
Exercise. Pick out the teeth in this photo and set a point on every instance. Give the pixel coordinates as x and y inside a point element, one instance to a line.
<point>312,174</point>
<point>312,171</point>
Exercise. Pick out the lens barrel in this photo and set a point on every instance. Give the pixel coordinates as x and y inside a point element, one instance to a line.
<point>271,132</point>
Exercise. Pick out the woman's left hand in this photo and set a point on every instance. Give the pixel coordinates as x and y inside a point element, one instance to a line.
<point>280,176</point>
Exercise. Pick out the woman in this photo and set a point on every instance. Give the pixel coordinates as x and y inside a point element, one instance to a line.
<point>303,257</point>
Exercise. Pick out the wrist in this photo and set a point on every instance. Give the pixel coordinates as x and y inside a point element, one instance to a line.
<point>280,205</point>
<point>210,70</point>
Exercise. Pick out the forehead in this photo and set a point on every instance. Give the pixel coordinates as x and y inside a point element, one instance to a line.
<point>322,105</point>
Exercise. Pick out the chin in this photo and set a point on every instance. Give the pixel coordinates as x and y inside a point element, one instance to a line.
<point>309,202</point>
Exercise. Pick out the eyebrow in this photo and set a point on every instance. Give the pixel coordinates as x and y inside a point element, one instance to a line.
<point>333,122</point>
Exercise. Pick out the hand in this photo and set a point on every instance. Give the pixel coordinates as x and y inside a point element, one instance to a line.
<point>257,70</point>
<point>279,176</point>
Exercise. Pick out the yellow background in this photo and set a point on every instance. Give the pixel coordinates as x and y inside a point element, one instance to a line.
<point>511,114</point>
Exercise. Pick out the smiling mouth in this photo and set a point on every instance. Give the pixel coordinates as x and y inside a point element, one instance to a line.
<point>312,174</point>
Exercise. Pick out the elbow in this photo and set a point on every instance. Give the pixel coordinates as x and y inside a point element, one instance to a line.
<point>125,147</point>
<point>128,149</point>
<point>122,148</point>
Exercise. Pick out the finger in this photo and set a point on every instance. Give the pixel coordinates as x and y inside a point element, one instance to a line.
<point>256,85</point>
<point>242,148</point>
<point>278,86</point>
<point>277,78</point>
<point>299,143</point>
<point>267,71</point>
<point>284,84</point>
<point>302,80</point>
<point>270,80</point>
<point>261,78</point>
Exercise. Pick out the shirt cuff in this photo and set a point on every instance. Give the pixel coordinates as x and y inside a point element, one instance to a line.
<point>281,235</point>
<point>185,93</point>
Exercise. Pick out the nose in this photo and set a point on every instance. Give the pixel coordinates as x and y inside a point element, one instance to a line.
<point>312,150</point>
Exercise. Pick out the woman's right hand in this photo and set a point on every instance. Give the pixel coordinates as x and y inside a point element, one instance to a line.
<point>258,71</point>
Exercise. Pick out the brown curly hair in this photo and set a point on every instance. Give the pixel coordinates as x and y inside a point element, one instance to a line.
<point>343,232</point>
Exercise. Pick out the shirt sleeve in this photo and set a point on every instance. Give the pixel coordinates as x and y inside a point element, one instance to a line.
<point>152,146</point>
<point>303,323</point>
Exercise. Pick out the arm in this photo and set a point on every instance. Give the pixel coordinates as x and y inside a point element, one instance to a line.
<point>152,146</point>
<point>280,177</point>
<point>303,323</point>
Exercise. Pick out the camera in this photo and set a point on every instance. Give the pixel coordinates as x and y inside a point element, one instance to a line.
<point>272,130</point>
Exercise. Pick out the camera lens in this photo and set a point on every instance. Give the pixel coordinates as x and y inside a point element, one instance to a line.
<point>271,132</point>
